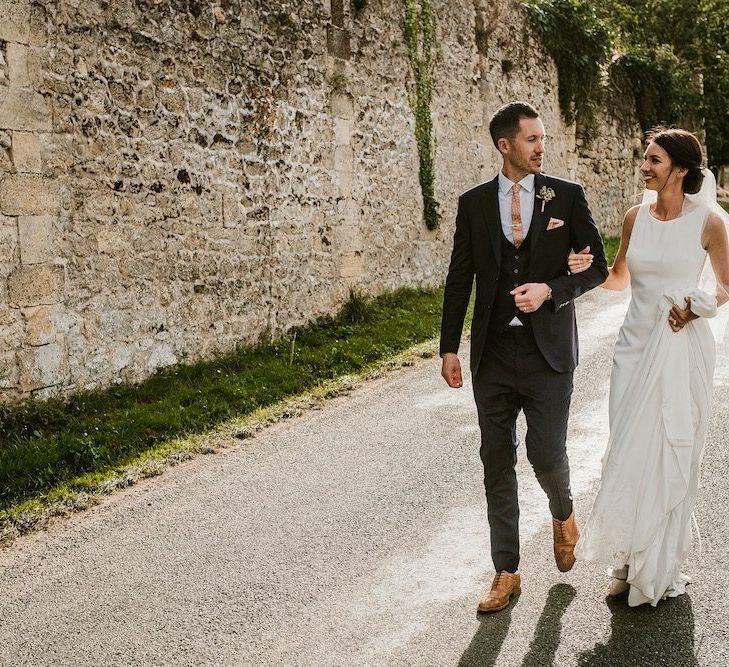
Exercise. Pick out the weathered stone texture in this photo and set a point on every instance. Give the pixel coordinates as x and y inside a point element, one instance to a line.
<point>177,178</point>
<point>17,59</point>
<point>22,109</point>
<point>29,194</point>
<point>35,285</point>
<point>15,21</point>
<point>37,238</point>
<point>26,152</point>
<point>40,325</point>
<point>43,366</point>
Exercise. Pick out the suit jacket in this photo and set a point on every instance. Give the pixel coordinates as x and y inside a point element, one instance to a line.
<point>477,252</point>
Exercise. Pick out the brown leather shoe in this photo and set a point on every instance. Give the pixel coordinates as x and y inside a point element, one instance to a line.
<point>566,535</point>
<point>504,585</point>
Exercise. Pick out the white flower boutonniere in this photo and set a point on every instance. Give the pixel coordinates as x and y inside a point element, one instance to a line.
<point>546,195</point>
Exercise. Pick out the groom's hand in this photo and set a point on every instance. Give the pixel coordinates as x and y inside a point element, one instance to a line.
<point>530,296</point>
<point>451,370</point>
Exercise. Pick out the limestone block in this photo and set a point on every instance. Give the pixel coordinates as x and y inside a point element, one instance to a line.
<point>43,366</point>
<point>173,100</point>
<point>338,43</point>
<point>17,57</point>
<point>26,152</point>
<point>8,243</point>
<point>343,131</point>
<point>8,370</point>
<point>161,355</point>
<point>15,20</point>
<point>344,180</point>
<point>108,241</point>
<point>36,285</point>
<point>23,109</point>
<point>342,105</point>
<point>40,328</point>
<point>35,66</point>
<point>29,194</point>
<point>37,238</point>
<point>352,265</point>
<point>232,211</point>
<point>344,158</point>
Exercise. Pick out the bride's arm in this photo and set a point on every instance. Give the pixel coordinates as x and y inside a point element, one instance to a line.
<point>618,274</point>
<point>717,245</point>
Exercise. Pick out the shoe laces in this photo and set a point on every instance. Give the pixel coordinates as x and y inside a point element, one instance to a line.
<point>497,578</point>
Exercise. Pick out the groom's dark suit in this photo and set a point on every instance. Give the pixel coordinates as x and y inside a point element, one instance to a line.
<point>525,367</point>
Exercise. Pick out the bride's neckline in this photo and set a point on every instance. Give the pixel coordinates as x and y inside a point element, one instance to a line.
<point>663,222</point>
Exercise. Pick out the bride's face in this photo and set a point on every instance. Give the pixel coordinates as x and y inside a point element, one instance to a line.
<point>657,169</point>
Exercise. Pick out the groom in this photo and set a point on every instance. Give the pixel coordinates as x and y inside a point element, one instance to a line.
<point>514,234</point>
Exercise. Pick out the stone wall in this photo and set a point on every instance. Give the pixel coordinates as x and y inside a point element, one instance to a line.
<point>178,177</point>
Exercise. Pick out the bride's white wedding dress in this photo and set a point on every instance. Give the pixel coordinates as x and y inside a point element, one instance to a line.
<point>660,402</point>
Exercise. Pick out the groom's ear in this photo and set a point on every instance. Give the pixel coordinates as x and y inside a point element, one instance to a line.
<point>503,145</point>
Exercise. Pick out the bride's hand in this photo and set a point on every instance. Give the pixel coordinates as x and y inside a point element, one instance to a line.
<point>580,261</point>
<point>678,318</point>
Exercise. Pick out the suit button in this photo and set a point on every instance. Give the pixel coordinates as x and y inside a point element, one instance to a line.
<point>516,270</point>
<point>516,256</point>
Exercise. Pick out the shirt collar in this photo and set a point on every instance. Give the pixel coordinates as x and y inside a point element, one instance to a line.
<point>505,184</point>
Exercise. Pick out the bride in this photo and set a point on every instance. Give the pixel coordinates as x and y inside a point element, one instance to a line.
<point>663,366</point>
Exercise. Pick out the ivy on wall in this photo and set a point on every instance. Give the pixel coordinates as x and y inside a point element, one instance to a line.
<point>580,43</point>
<point>674,53</point>
<point>419,32</point>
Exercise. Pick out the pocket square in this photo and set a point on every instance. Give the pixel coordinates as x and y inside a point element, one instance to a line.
<point>554,223</point>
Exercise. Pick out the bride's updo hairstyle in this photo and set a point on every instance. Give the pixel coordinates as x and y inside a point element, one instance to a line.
<point>685,151</point>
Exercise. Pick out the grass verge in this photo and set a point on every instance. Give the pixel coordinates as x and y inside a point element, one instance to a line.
<point>61,455</point>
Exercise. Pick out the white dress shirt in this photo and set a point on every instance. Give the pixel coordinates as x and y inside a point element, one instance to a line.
<point>526,196</point>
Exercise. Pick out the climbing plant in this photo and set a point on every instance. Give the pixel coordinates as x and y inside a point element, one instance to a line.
<point>419,32</point>
<point>675,53</point>
<point>579,42</point>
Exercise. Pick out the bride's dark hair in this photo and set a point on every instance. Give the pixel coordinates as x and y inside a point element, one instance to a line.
<point>685,151</point>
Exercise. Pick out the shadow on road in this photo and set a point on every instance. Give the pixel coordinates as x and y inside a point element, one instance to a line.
<point>546,635</point>
<point>663,636</point>
<point>484,649</point>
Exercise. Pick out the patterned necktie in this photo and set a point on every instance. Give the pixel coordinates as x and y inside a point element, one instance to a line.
<point>516,228</point>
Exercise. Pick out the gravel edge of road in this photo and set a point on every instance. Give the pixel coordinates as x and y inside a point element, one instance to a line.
<point>185,449</point>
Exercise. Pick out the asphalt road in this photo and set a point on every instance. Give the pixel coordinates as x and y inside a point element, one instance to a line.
<point>356,535</point>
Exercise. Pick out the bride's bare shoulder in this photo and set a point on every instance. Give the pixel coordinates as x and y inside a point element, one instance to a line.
<point>714,229</point>
<point>629,218</point>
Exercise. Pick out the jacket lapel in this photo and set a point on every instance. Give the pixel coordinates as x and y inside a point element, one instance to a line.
<point>539,218</point>
<point>492,216</point>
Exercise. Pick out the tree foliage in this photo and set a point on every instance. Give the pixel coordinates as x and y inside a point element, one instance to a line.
<point>579,42</point>
<point>674,52</point>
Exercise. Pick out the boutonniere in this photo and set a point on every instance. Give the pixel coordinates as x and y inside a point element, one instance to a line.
<point>546,195</point>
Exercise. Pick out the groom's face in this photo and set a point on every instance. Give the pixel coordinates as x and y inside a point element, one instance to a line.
<point>525,151</point>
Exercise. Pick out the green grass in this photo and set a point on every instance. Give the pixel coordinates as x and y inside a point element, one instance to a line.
<point>57,448</point>
<point>611,247</point>
<point>725,205</point>
<point>64,452</point>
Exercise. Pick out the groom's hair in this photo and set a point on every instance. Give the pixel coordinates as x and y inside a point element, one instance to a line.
<point>504,123</point>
